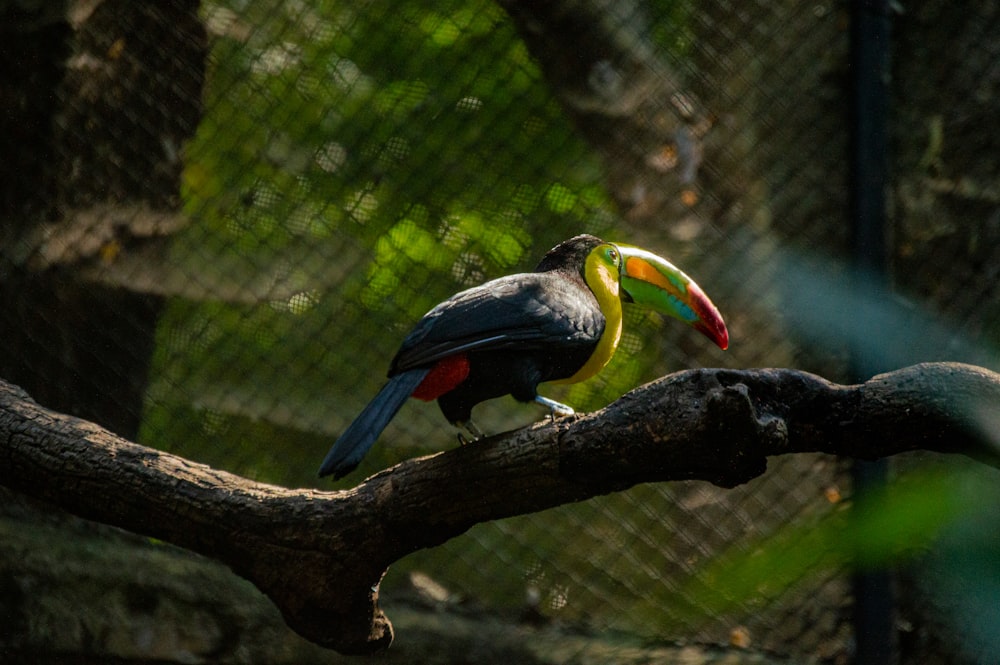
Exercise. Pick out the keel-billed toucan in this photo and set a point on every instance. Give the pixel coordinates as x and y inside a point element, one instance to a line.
<point>560,323</point>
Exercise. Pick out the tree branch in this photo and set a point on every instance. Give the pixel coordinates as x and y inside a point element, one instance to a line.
<point>320,555</point>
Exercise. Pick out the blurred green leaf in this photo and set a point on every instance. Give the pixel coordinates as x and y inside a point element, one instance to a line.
<point>891,525</point>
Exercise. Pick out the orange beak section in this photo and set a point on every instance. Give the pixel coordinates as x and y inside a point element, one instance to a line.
<point>653,282</point>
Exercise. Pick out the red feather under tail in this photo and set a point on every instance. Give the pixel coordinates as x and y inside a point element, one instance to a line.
<point>443,377</point>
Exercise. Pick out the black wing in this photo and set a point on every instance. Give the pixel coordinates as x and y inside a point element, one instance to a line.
<point>525,311</point>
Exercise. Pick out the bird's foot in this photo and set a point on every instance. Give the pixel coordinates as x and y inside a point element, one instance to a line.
<point>471,429</point>
<point>555,408</point>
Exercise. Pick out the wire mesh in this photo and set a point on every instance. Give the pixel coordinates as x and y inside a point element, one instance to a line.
<point>332,170</point>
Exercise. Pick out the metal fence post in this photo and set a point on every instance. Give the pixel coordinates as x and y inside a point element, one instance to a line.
<point>869,78</point>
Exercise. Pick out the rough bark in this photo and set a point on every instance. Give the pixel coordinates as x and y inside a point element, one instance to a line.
<point>320,555</point>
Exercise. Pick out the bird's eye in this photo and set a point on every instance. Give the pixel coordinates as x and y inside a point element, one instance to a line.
<point>613,254</point>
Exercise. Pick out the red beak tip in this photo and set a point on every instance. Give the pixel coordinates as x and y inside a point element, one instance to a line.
<point>718,334</point>
<point>723,338</point>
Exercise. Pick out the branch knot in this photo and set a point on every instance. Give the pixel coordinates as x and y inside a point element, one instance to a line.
<point>739,435</point>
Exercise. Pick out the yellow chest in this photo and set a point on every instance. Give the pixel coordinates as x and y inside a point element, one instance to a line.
<point>604,283</point>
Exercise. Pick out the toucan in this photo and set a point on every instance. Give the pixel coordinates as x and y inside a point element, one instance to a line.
<point>560,323</point>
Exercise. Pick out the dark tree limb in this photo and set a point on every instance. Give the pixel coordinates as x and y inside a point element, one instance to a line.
<point>107,596</point>
<point>320,555</point>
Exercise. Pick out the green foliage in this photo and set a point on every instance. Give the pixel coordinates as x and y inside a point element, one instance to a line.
<point>379,156</point>
<point>670,20</point>
<point>396,104</point>
<point>410,249</point>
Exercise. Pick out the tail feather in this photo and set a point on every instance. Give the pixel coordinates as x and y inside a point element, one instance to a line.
<point>348,451</point>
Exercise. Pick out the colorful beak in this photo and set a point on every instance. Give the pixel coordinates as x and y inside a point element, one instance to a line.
<point>654,282</point>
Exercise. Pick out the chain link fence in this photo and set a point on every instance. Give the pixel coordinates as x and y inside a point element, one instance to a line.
<point>242,208</point>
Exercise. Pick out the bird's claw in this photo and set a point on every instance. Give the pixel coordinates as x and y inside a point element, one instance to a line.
<point>471,429</point>
<point>555,408</point>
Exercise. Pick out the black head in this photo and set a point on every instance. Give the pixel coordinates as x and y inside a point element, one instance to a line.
<point>569,254</point>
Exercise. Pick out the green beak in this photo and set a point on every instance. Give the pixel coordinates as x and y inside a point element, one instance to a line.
<point>652,281</point>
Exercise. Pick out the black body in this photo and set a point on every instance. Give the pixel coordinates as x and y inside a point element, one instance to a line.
<point>516,331</point>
